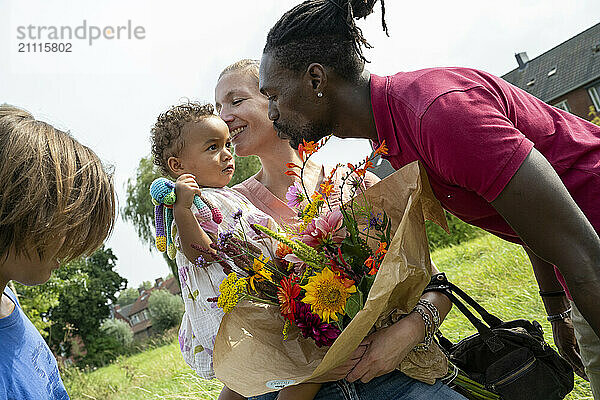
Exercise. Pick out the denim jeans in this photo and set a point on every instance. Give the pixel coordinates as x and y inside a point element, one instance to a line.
<point>392,386</point>
<point>589,346</point>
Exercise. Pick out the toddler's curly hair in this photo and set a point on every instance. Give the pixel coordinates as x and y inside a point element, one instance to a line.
<point>167,137</point>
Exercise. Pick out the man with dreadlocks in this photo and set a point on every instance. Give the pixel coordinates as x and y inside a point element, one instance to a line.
<point>496,157</point>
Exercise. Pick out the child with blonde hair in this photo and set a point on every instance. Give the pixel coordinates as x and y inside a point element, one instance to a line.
<point>192,145</point>
<point>56,203</point>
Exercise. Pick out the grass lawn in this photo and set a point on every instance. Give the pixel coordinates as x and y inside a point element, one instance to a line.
<point>494,272</point>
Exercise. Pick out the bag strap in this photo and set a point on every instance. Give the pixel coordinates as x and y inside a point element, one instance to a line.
<point>440,283</point>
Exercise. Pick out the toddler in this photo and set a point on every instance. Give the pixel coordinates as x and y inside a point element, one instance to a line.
<point>192,145</point>
<point>56,203</point>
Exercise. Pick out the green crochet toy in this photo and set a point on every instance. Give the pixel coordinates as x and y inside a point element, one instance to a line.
<point>162,191</point>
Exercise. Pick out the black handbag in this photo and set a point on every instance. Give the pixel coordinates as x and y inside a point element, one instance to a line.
<point>508,358</point>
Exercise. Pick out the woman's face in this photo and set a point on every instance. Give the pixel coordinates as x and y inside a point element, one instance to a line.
<point>244,110</point>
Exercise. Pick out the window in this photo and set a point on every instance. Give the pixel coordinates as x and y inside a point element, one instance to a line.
<point>563,105</point>
<point>594,92</point>
<point>135,319</point>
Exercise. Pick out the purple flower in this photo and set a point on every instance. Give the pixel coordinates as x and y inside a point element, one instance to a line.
<point>312,326</point>
<point>237,215</point>
<point>199,263</point>
<point>183,273</point>
<point>294,195</point>
<point>224,238</point>
<point>374,221</point>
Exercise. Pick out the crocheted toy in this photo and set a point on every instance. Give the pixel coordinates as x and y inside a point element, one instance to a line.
<point>162,191</point>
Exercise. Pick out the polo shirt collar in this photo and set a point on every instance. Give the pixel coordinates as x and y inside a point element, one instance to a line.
<point>382,114</point>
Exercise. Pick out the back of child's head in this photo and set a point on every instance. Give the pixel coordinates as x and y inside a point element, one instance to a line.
<point>167,133</point>
<point>51,187</point>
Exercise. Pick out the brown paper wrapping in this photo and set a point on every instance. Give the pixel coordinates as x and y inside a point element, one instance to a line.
<point>251,357</point>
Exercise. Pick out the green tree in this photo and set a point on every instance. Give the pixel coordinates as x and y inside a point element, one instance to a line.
<point>595,118</point>
<point>118,329</point>
<point>89,284</point>
<point>165,309</point>
<point>127,296</point>
<point>138,207</point>
<point>145,285</point>
<point>36,301</point>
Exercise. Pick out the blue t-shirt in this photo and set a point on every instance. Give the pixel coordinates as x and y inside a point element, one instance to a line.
<point>28,370</point>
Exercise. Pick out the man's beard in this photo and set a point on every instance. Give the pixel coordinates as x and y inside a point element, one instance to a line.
<point>311,132</point>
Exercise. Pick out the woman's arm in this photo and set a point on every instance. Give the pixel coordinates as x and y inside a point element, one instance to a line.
<point>387,347</point>
<point>187,225</point>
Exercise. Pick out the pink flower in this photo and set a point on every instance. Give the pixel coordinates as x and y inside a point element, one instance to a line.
<point>294,195</point>
<point>325,229</point>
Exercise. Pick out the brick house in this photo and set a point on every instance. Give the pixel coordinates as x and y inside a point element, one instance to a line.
<point>566,76</point>
<point>137,314</point>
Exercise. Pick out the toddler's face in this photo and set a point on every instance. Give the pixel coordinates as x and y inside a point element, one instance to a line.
<point>206,152</point>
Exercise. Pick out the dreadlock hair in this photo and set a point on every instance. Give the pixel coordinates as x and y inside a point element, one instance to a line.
<point>323,31</point>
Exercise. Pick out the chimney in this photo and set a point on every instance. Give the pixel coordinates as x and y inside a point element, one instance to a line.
<point>522,59</point>
<point>159,282</point>
<point>141,291</point>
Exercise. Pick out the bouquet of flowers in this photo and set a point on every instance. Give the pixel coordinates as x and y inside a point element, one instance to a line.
<point>323,268</point>
<point>342,271</point>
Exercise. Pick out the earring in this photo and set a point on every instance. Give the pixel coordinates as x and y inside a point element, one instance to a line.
<point>320,94</point>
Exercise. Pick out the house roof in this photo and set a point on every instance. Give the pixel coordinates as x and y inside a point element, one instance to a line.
<point>576,63</point>
<point>125,311</point>
<point>141,303</point>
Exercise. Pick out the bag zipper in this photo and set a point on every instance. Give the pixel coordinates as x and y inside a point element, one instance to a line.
<point>513,375</point>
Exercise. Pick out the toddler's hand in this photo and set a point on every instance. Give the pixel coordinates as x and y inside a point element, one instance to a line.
<point>185,190</point>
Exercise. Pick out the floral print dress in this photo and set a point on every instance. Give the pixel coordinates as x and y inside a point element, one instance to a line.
<point>202,318</point>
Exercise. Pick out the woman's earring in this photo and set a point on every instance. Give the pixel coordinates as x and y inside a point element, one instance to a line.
<point>320,94</point>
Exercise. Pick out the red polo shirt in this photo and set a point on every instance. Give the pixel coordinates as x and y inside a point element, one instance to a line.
<point>472,131</point>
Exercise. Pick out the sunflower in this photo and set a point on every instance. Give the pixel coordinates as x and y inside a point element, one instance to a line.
<point>326,295</point>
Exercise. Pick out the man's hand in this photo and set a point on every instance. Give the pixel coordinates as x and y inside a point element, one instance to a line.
<point>186,188</point>
<point>387,347</point>
<point>564,339</point>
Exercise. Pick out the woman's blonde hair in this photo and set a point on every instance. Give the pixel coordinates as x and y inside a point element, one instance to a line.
<point>245,65</point>
<point>51,187</point>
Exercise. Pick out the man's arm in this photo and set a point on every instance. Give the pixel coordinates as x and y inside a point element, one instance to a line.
<point>562,329</point>
<point>537,205</point>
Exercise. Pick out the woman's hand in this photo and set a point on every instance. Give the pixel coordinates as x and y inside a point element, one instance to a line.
<point>341,371</point>
<point>387,347</point>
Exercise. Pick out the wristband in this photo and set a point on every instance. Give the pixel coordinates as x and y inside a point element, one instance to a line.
<point>557,293</point>
<point>559,317</point>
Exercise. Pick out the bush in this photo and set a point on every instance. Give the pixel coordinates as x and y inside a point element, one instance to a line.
<point>165,309</point>
<point>101,350</point>
<point>119,330</point>
<point>460,232</point>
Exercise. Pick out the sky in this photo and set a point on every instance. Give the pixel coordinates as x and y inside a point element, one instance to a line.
<point>108,92</point>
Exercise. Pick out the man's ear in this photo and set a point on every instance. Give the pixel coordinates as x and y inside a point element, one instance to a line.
<point>316,77</point>
<point>175,165</point>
